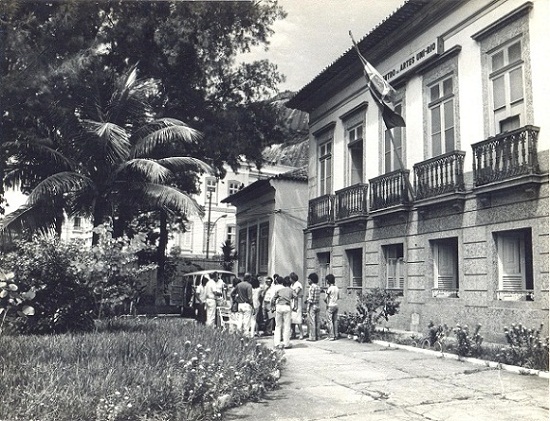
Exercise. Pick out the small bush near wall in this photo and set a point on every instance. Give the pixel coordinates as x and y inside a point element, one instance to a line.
<point>526,348</point>
<point>372,307</point>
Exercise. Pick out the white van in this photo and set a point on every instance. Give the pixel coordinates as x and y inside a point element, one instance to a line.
<point>182,291</point>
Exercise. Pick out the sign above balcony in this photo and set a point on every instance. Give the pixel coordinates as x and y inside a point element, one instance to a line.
<point>415,59</point>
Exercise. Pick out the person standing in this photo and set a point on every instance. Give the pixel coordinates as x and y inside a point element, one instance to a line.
<point>200,301</point>
<point>257,305</point>
<point>266,307</point>
<point>331,299</point>
<point>212,296</point>
<point>221,289</point>
<point>243,297</point>
<point>282,301</point>
<point>313,308</point>
<point>297,307</point>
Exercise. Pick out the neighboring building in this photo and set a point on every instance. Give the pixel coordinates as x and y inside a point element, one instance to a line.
<point>198,237</point>
<point>461,230</point>
<point>271,217</point>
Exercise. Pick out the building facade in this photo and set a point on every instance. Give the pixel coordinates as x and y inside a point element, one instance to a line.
<point>204,235</point>
<point>271,218</point>
<point>451,211</point>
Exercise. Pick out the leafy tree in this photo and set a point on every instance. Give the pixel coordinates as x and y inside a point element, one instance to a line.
<point>191,48</point>
<point>103,170</point>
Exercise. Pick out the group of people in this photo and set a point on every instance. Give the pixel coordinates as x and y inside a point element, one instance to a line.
<point>275,308</point>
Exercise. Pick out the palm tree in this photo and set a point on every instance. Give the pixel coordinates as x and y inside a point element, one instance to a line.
<point>107,168</point>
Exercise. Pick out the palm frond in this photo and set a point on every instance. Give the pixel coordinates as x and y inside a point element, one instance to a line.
<point>132,98</point>
<point>112,139</point>
<point>156,196</point>
<point>56,185</point>
<point>163,132</point>
<point>181,163</point>
<point>28,218</point>
<point>37,150</point>
<point>150,170</point>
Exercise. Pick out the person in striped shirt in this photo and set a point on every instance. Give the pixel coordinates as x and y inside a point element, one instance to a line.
<point>313,309</point>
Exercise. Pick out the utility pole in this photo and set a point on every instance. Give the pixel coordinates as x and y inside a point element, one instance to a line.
<point>208,227</point>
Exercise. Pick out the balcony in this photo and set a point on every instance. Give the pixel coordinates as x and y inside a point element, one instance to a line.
<point>321,211</point>
<point>390,192</point>
<point>439,176</point>
<point>506,160</point>
<point>352,203</point>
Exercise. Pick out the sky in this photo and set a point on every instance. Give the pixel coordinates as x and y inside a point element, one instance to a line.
<point>316,33</point>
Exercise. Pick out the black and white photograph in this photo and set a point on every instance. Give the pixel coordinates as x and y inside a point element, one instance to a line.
<point>289,210</point>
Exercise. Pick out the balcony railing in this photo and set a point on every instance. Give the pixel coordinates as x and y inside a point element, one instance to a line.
<point>439,175</point>
<point>321,210</point>
<point>390,189</point>
<point>352,201</point>
<point>506,155</point>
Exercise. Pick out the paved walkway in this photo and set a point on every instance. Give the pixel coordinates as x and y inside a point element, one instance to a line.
<point>347,381</point>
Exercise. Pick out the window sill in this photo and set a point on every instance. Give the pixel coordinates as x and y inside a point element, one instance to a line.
<point>445,293</point>
<point>523,295</point>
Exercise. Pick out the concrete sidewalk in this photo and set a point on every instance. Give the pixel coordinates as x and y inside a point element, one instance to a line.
<point>347,381</point>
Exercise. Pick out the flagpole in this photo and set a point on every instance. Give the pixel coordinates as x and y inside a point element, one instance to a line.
<point>399,160</point>
<point>402,166</point>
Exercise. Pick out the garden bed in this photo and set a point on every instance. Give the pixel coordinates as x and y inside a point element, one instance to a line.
<point>133,369</point>
<point>476,361</point>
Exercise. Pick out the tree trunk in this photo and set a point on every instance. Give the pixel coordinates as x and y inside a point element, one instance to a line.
<point>161,258</point>
<point>99,218</point>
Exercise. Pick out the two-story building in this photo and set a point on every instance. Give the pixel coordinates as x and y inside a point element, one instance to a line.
<point>451,211</point>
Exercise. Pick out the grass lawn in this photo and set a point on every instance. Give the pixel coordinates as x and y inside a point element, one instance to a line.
<point>132,369</point>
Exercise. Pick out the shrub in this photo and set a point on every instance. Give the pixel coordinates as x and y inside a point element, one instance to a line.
<point>372,307</point>
<point>74,283</point>
<point>526,348</point>
<point>14,303</point>
<point>436,333</point>
<point>468,345</point>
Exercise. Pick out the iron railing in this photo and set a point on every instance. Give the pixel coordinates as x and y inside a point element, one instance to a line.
<point>321,210</point>
<point>352,201</point>
<point>390,189</point>
<point>439,175</point>
<point>506,155</point>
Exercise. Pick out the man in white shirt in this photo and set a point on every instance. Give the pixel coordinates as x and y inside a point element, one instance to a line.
<point>331,298</point>
<point>213,294</point>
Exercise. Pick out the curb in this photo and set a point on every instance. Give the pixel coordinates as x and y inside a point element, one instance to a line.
<point>486,363</point>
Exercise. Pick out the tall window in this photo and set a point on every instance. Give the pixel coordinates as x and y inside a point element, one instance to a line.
<point>233,187</point>
<point>395,273</point>
<point>355,262</point>
<point>211,191</point>
<point>186,238</point>
<point>515,265</point>
<point>263,248</point>
<point>242,251</point>
<point>393,151</point>
<point>445,257</point>
<point>355,157</point>
<point>77,223</point>
<point>442,122</point>
<point>252,249</point>
<point>325,168</point>
<point>210,238</point>
<point>230,233</point>
<point>506,84</point>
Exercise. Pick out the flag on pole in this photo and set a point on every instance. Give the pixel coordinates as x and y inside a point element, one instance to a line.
<point>383,93</point>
